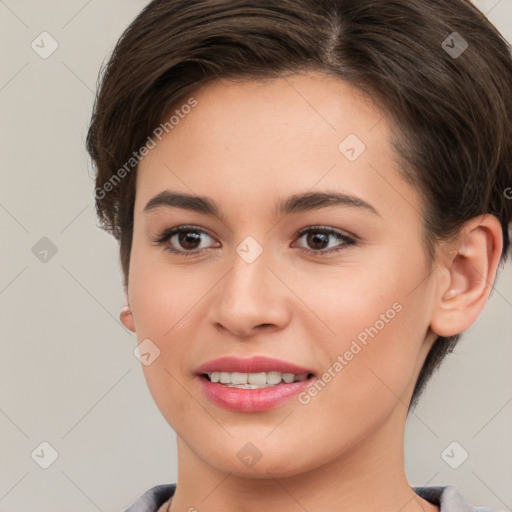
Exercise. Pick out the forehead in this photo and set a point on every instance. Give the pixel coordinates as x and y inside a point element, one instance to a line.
<point>312,106</point>
<point>276,137</point>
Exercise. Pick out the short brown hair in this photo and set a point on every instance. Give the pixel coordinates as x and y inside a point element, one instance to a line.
<point>438,68</point>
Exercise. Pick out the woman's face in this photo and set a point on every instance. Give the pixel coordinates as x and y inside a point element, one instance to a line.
<point>340,288</point>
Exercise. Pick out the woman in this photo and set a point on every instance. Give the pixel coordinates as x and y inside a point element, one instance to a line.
<point>311,203</point>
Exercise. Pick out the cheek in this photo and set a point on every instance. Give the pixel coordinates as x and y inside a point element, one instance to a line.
<point>373,363</point>
<point>162,296</point>
<point>165,301</point>
<point>377,320</point>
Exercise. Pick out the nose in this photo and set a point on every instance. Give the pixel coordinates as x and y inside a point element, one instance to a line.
<point>250,299</point>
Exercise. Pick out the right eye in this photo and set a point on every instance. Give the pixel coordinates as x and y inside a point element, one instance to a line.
<point>189,238</point>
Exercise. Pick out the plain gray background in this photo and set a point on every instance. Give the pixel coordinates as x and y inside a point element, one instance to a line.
<point>68,375</point>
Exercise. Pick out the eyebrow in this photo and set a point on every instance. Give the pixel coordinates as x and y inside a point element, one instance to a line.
<point>293,204</point>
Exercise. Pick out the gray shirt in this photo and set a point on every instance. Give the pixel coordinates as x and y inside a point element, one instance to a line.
<point>447,498</point>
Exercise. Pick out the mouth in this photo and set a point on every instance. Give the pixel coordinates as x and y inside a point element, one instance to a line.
<point>257,380</point>
<point>253,384</point>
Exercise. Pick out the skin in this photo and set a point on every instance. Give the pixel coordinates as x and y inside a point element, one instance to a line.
<point>246,145</point>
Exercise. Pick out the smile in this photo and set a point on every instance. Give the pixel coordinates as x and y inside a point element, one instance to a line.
<point>254,380</point>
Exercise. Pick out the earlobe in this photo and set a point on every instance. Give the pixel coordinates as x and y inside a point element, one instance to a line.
<point>471,269</point>
<point>126,318</point>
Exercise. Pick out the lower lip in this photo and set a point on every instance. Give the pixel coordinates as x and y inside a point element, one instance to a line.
<point>252,400</point>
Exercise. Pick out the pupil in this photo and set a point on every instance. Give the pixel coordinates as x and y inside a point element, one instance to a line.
<point>322,238</point>
<point>188,237</point>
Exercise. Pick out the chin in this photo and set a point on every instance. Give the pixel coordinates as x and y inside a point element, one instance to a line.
<point>263,458</point>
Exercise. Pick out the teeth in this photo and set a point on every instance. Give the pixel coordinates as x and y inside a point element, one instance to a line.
<point>288,377</point>
<point>225,378</point>
<point>239,378</point>
<point>255,380</point>
<point>273,378</point>
<point>260,379</point>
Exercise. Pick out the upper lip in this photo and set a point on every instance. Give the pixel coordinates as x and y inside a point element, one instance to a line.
<point>254,364</point>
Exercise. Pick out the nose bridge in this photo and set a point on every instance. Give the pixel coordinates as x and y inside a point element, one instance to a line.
<point>249,295</point>
<point>248,277</point>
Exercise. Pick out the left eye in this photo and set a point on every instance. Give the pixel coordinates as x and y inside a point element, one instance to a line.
<point>318,237</point>
<point>189,240</point>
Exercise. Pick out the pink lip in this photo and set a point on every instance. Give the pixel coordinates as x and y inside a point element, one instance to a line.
<point>251,400</point>
<point>254,364</point>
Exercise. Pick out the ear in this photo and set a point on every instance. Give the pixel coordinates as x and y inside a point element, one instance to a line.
<point>126,318</point>
<point>467,269</point>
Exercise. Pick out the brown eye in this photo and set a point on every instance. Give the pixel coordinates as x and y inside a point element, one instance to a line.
<point>319,239</point>
<point>183,240</point>
<point>189,239</point>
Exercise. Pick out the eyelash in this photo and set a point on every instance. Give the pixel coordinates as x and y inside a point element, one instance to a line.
<point>166,235</point>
